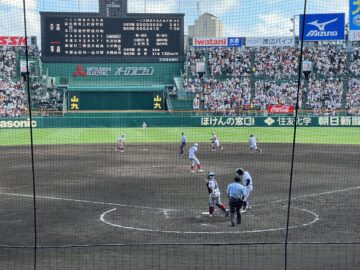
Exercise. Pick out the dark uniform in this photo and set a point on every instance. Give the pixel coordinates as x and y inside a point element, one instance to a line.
<point>183,143</point>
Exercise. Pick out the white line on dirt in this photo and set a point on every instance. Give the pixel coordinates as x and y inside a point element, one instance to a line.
<point>314,220</point>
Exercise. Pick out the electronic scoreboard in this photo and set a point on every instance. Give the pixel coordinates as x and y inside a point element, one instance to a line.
<point>112,35</point>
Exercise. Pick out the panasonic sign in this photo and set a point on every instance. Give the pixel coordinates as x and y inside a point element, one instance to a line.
<point>18,123</point>
<point>319,27</point>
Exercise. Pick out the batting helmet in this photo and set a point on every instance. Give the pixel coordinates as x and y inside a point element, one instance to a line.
<point>211,174</point>
<point>195,144</point>
<point>239,171</point>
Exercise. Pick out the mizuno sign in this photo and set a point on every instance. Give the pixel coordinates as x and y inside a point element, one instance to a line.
<point>323,26</point>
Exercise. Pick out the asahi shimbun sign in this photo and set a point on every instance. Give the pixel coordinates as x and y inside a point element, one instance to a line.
<point>270,42</point>
<point>217,42</point>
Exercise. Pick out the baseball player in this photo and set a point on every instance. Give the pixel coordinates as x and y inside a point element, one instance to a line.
<point>144,126</point>
<point>248,184</point>
<point>214,195</point>
<point>215,143</point>
<point>193,158</point>
<point>121,143</point>
<point>236,193</point>
<point>183,140</point>
<point>253,146</point>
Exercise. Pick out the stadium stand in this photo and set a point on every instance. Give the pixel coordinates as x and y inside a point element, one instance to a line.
<point>272,74</point>
<point>233,62</point>
<point>353,97</point>
<point>12,94</point>
<point>324,97</point>
<point>276,63</point>
<point>13,100</point>
<point>236,79</point>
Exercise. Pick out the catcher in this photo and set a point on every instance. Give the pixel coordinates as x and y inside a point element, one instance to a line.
<point>214,195</point>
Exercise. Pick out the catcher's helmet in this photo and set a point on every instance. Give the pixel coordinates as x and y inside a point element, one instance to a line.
<point>239,171</point>
<point>211,174</point>
<point>195,144</point>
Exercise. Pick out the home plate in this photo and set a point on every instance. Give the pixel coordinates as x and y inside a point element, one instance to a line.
<point>145,149</point>
<point>204,213</point>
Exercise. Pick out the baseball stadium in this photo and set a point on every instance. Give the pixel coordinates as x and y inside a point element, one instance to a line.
<point>178,134</point>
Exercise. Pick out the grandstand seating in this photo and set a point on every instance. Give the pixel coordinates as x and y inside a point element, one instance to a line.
<point>13,100</point>
<point>273,78</point>
<point>236,79</point>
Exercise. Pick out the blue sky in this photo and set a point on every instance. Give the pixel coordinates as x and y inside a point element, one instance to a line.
<point>240,17</point>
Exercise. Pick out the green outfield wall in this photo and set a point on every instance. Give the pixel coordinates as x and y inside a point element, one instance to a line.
<point>179,121</point>
<point>115,100</point>
<point>100,74</point>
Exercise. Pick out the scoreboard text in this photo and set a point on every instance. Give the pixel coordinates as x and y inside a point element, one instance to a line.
<point>88,38</point>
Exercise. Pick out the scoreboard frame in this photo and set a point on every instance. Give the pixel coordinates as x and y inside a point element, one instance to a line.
<point>110,58</point>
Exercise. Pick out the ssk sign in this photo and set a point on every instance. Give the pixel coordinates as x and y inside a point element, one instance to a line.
<point>329,26</point>
<point>12,41</point>
<point>280,109</point>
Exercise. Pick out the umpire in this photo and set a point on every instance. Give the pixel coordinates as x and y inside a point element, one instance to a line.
<point>183,142</point>
<point>236,193</point>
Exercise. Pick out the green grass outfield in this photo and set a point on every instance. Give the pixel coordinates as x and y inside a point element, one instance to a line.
<point>194,134</point>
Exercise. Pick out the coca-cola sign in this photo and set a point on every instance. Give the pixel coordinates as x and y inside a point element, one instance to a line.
<point>280,109</point>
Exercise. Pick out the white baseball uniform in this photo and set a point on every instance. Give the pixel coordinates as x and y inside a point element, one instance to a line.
<point>252,143</point>
<point>192,155</point>
<point>247,182</point>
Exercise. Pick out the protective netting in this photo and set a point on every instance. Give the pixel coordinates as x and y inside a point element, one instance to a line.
<point>96,172</point>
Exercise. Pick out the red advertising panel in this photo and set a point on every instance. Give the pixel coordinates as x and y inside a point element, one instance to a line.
<point>12,41</point>
<point>280,109</point>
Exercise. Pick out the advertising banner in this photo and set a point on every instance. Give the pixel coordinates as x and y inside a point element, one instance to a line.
<point>12,41</point>
<point>181,121</point>
<point>217,42</point>
<point>280,109</point>
<point>270,42</point>
<point>354,20</point>
<point>318,27</point>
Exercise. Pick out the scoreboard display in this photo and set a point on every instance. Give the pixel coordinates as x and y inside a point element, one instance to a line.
<point>141,38</point>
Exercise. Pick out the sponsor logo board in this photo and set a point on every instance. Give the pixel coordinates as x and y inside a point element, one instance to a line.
<point>270,41</point>
<point>330,26</point>
<point>217,42</point>
<point>108,71</point>
<point>17,123</point>
<point>354,20</point>
<point>280,109</point>
<point>12,41</point>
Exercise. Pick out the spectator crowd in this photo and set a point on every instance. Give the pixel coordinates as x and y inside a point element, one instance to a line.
<point>13,97</point>
<point>12,94</point>
<point>253,78</point>
<point>353,97</point>
<point>235,79</point>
